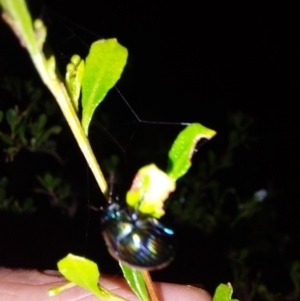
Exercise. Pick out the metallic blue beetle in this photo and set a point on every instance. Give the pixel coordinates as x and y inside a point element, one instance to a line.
<point>139,241</point>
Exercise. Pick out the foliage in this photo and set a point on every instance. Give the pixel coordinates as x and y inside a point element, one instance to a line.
<point>223,293</point>
<point>203,195</point>
<point>110,55</point>
<point>85,273</point>
<point>58,192</point>
<point>152,185</point>
<point>103,68</point>
<point>135,281</point>
<point>207,201</point>
<point>27,128</point>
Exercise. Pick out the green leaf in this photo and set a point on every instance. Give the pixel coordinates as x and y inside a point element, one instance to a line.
<point>223,293</point>
<point>11,116</point>
<point>53,130</point>
<point>74,76</point>
<point>136,281</point>
<point>103,67</point>
<point>1,115</point>
<point>40,32</point>
<point>81,271</point>
<point>17,16</point>
<point>149,190</point>
<point>182,150</point>
<point>41,123</point>
<point>85,274</point>
<point>48,181</point>
<point>7,140</point>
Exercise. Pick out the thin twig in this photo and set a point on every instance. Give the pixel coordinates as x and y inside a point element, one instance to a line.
<point>150,286</point>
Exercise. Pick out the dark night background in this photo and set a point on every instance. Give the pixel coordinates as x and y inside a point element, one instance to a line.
<point>187,62</point>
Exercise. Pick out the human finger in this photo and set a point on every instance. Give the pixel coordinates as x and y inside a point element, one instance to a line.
<point>21,285</point>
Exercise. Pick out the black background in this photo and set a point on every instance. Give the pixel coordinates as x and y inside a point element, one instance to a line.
<point>187,62</point>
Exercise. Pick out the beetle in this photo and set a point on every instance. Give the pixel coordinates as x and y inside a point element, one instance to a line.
<point>138,240</point>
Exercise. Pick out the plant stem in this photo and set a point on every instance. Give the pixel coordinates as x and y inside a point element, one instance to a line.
<point>16,15</point>
<point>150,286</point>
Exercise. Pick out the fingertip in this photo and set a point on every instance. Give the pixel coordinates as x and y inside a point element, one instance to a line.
<point>165,291</point>
<point>176,292</point>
